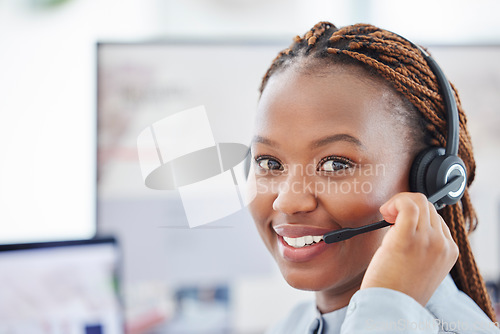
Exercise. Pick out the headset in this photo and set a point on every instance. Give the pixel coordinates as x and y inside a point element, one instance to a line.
<point>437,172</point>
<point>433,168</point>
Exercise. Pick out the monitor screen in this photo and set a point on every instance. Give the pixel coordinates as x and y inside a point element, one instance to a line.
<point>140,84</point>
<point>60,287</point>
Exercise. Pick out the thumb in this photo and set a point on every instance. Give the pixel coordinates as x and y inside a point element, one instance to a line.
<point>389,211</point>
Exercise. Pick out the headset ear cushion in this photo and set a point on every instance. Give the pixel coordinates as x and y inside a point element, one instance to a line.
<point>418,171</point>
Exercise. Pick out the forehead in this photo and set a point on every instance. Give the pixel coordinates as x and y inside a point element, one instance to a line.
<point>339,99</point>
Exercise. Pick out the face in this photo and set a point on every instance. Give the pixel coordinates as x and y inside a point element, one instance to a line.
<point>326,155</point>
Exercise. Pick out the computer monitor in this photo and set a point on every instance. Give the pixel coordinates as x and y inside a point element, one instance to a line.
<point>140,83</point>
<point>66,287</point>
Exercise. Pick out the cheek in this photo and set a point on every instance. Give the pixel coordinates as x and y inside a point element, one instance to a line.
<point>355,201</point>
<point>353,213</point>
<point>354,205</point>
<point>262,192</point>
<point>261,209</point>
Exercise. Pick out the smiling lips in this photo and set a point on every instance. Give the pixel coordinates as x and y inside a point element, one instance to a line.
<point>300,243</point>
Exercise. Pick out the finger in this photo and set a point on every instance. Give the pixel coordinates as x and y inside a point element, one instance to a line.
<point>388,210</point>
<point>424,217</point>
<point>435,218</point>
<point>445,228</point>
<point>403,212</point>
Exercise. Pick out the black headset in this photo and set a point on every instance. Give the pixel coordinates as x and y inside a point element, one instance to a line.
<point>438,172</point>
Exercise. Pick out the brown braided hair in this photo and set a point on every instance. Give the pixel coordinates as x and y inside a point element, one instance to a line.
<point>387,55</point>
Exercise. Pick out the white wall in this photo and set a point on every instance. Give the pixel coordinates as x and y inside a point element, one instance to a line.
<point>47,111</point>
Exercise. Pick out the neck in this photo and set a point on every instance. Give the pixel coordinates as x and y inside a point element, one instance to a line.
<point>336,298</point>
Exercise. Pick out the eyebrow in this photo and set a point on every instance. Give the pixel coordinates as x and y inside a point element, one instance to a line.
<point>265,141</point>
<point>317,143</point>
<point>335,138</point>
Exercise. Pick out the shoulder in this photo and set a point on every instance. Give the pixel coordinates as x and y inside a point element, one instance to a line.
<point>449,310</point>
<point>297,320</point>
<point>455,311</point>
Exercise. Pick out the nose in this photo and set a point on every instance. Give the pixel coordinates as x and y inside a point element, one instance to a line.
<point>295,195</point>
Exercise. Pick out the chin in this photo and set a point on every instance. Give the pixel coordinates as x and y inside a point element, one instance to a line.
<point>304,285</point>
<point>335,280</point>
<point>307,280</point>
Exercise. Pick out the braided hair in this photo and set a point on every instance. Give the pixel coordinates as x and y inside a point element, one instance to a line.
<point>387,55</point>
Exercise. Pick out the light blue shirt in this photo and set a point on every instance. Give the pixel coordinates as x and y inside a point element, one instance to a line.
<point>381,310</point>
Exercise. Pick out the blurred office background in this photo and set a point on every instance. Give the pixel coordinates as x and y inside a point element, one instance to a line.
<point>66,66</point>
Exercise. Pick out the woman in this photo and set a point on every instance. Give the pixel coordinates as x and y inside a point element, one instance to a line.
<point>342,115</point>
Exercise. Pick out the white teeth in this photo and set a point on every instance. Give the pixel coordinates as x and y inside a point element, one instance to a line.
<point>300,242</point>
<point>306,240</point>
<point>290,241</point>
<point>317,238</point>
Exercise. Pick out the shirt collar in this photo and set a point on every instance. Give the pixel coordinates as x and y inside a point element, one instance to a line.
<point>328,322</point>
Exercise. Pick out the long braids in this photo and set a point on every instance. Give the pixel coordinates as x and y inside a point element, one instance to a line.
<point>385,54</point>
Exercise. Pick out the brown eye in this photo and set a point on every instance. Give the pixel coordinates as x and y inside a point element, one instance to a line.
<point>333,164</point>
<point>268,163</point>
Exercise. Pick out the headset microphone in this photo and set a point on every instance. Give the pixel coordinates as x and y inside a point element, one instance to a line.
<point>347,233</point>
